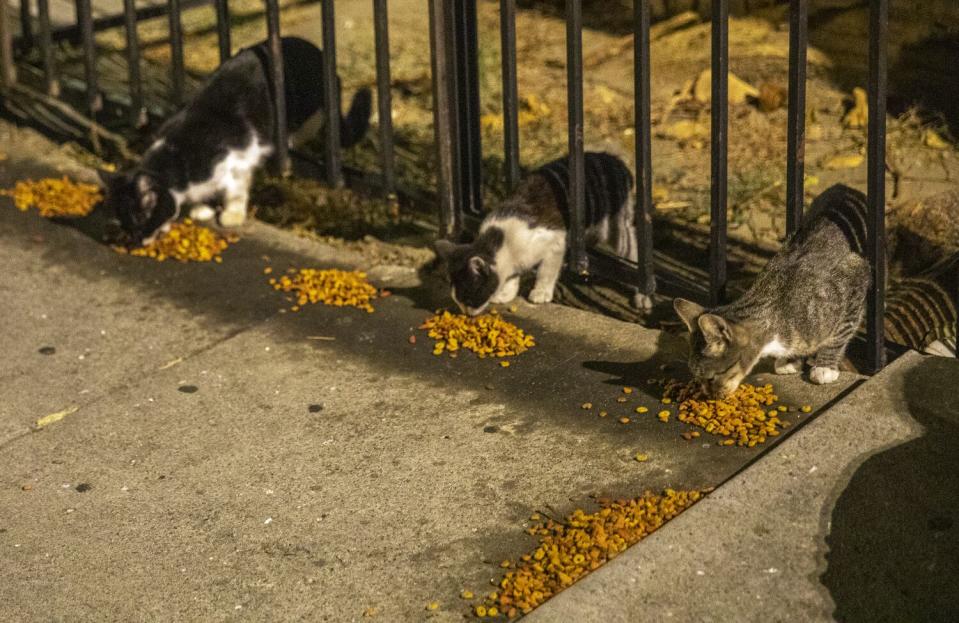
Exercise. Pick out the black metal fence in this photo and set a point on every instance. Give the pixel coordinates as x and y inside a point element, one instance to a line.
<point>454,61</point>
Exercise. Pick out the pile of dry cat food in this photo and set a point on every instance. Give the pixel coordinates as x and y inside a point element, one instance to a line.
<point>569,549</point>
<point>185,242</point>
<point>339,288</point>
<point>745,418</point>
<point>55,197</point>
<point>487,335</point>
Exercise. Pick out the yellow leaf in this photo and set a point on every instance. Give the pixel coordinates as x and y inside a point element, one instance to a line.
<point>844,161</point>
<point>858,115</point>
<point>933,139</point>
<point>55,417</point>
<point>739,89</point>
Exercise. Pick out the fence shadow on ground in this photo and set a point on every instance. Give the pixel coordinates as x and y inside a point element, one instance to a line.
<point>894,544</point>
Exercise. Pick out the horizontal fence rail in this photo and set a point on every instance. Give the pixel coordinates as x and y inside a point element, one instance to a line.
<point>454,46</point>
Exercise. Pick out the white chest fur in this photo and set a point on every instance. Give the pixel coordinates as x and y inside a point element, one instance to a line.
<point>523,246</point>
<point>775,349</point>
<point>231,176</point>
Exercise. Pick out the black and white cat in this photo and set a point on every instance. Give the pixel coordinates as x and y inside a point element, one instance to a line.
<point>209,150</point>
<point>528,230</point>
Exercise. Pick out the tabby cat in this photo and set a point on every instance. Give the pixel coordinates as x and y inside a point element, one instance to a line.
<point>528,230</point>
<point>808,301</point>
<point>209,150</point>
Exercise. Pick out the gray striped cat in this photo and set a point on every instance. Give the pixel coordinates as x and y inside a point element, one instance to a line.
<point>808,301</point>
<point>528,230</point>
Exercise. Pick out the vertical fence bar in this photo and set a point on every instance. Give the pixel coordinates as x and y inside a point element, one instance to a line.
<point>574,103</point>
<point>876,182</point>
<point>796,132</point>
<point>138,114</point>
<point>281,158</point>
<point>223,29</point>
<point>26,25</point>
<point>444,115</point>
<point>719,150</point>
<point>50,83</point>
<point>384,100</point>
<point>507,27</point>
<point>8,72</point>
<point>85,22</point>
<point>469,149</point>
<point>176,52</point>
<point>644,167</point>
<point>334,173</point>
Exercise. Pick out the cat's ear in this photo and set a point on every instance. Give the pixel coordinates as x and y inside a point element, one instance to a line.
<point>147,193</point>
<point>715,329</point>
<point>688,312</point>
<point>478,266</point>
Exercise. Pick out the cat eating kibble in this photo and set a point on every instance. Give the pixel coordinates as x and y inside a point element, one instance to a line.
<point>208,151</point>
<point>528,230</point>
<point>807,302</point>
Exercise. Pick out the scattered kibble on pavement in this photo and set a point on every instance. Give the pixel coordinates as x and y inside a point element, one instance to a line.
<point>184,242</point>
<point>569,549</point>
<point>487,335</point>
<point>55,197</point>
<point>339,288</point>
<point>641,457</point>
<point>744,418</point>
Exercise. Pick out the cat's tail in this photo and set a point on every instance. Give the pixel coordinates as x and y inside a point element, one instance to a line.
<point>354,125</point>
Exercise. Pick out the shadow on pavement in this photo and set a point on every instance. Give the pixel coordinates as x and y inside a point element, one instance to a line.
<point>894,543</point>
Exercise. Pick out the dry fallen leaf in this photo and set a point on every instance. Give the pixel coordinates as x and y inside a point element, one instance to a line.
<point>843,161</point>
<point>739,89</point>
<point>931,138</point>
<point>858,115</point>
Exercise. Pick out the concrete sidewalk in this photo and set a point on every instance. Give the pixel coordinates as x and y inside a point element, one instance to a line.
<point>218,462</point>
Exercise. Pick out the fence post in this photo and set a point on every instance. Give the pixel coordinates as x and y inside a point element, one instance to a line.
<point>443,116</point>
<point>223,29</point>
<point>85,24</point>
<point>719,149</point>
<point>176,52</point>
<point>468,147</point>
<point>510,97</point>
<point>384,100</point>
<point>281,159</point>
<point>579,263</point>
<point>796,132</point>
<point>8,72</point>
<point>876,183</point>
<point>334,173</point>
<point>138,113</point>
<point>644,172</point>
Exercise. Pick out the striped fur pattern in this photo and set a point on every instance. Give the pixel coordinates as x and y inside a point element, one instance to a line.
<point>808,301</point>
<point>921,310</point>
<point>529,231</point>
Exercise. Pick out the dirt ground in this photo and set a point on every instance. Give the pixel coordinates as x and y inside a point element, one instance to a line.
<point>922,157</point>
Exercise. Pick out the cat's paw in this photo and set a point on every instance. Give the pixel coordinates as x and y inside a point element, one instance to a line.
<point>503,297</point>
<point>541,295</point>
<point>231,218</point>
<point>642,302</point>
<point>823,376</point>
<point>202,213</point>
<point>787,366</point>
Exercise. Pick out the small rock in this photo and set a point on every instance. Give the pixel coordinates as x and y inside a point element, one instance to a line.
<point>187,389</point>
<point>315,408</point>
<point>27,487</point>
<point>47,350</point>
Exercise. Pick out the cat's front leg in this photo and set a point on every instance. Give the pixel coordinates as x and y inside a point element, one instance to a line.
<point>234,211</point>
<point>548,274</point>
<point>507,291</point>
